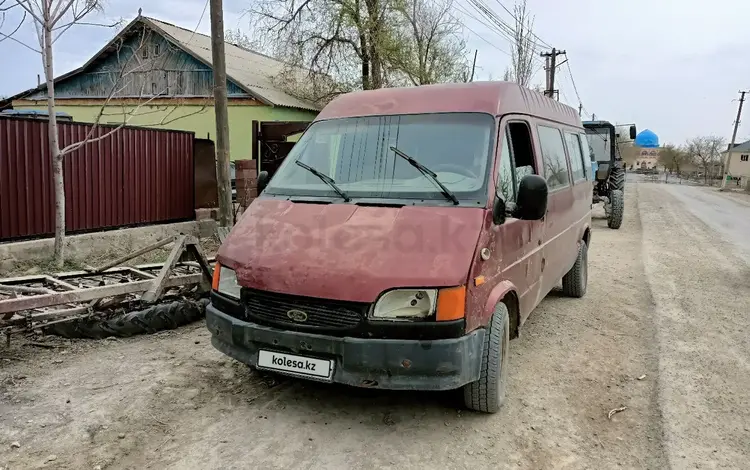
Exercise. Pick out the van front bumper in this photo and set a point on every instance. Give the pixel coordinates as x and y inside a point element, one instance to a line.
<point>395,364</point>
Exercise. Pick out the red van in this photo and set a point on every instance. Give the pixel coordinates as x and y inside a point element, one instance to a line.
<point>406,238</point>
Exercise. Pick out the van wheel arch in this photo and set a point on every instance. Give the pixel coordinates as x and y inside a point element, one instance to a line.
<point>514,313</point>
<point>587,236</point>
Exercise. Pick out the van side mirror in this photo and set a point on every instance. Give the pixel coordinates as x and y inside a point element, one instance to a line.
<point>531,201</point>
<point>632,132</point>
<point>262,181</point>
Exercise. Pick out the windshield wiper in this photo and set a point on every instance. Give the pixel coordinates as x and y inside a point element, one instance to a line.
<point>326,179</point>
<point>428,173</point>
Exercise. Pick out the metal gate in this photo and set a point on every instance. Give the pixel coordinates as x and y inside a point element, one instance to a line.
<point>270,144</point>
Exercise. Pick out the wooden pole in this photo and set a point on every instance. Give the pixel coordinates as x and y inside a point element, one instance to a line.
<point>474,65</point>
<point>728,160</point>
<point>221,110</point>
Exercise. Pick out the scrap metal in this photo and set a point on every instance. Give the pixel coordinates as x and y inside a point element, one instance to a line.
<point>38,300</point>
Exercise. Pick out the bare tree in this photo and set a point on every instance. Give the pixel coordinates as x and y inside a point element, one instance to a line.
<point>51,19</point>
<point>5,7</point>
<point>431,48</point>
<point>523,45</point>
<point>706,152</point>
<point>673,158</point>
<point>338,38</point>
<point>336,46</point>
<point>240,39</point>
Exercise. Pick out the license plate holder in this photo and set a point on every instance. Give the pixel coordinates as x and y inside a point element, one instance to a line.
<point>293,364</point>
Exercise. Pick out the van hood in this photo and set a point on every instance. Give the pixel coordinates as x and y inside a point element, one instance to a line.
<point>350,252</point>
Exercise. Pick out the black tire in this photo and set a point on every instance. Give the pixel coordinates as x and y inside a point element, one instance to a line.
<point>617,207</point>
<point>617,179</point>
<point>575,281</point>
<point>149,320</point>
<point>488,393</point>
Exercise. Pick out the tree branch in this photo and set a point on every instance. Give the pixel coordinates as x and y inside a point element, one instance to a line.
<point>4,36</point>
<point>29,8</point>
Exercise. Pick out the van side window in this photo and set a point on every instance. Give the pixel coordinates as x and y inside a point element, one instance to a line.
<point>516,159</point>
<point>576,156</point>
<point>523,150</point>
<point>506,185</point>
<point>553,157</point>
<point>588,156</point>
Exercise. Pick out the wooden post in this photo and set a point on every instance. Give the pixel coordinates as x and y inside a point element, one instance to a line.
<point>222,113</point>
<point>157,287</point>
<point>135,254</point>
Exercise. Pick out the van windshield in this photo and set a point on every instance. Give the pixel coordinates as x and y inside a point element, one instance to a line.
<point>356,153</point>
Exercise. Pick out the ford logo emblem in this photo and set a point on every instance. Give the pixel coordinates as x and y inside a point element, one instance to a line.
<point>297,315</point>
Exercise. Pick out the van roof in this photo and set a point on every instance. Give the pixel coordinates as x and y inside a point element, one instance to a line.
<point>495,98</point>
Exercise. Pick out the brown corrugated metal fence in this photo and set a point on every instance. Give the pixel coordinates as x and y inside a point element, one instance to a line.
<point>134,176</point>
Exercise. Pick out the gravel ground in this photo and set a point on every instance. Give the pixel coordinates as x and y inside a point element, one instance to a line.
<point>647,336</point>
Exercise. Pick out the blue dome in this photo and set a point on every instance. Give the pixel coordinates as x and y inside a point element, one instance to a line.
<point>647,139</point>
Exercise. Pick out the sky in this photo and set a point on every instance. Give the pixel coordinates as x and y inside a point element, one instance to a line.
<point>671,66</point>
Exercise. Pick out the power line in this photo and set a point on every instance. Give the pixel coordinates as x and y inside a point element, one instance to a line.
<point>544,43</point>
<point>200,20</point>
<point>498,25</point>
<point>506,31</point>
<point>541,41</point>
<point>492,27</point>
<point>480,36</point>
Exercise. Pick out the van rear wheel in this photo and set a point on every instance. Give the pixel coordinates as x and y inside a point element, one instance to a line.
<point>575,281</point>
<point>488,393</point>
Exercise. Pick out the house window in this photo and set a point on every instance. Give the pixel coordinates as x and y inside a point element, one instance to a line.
<point>743,158</point>
<point>144,53</point>
<point>156,50</point>
<point>154,90</point>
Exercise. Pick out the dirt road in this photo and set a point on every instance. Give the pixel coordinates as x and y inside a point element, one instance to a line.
<point>697,251</point>
<point>171,401</point>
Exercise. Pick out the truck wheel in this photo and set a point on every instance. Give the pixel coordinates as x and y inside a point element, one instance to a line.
<point>617,206</point>
<point>575,281</point>
<point>488,393</point>
<point>617,179</point>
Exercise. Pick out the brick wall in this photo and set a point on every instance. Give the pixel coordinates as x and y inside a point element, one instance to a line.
<point>246,174</point>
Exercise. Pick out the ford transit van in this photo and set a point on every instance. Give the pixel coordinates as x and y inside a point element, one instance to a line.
<point>406,238</point>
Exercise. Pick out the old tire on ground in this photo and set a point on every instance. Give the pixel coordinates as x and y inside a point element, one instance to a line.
<point>575,281</point>
<point>617,207</point>
<point>488,393</point>
<point>155,318</point>
<point>617,179</point>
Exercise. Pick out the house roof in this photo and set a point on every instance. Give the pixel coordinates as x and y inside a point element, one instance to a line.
<point>743,147</point>
<point>251,71</point>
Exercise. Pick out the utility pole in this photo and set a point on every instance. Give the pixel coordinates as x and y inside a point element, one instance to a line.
<point>731,145</point>
<point>551,65</point>
<point>474,65</point>
<point>222,114</point>
<point>580,109</point>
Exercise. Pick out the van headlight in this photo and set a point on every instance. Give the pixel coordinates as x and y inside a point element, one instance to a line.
<point>227,284</point>
<point>406,304</point>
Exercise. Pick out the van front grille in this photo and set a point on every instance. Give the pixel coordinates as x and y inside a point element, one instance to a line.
<point>286,310</point>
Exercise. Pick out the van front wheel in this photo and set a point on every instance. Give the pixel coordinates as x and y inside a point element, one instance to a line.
<point>488,393</point>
